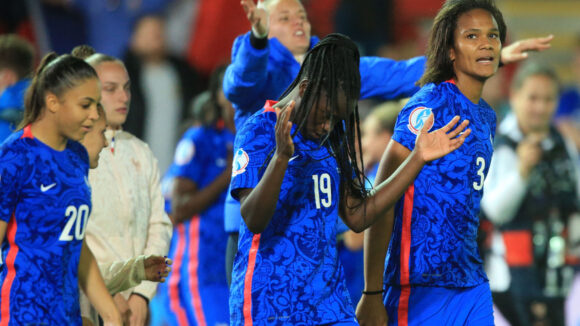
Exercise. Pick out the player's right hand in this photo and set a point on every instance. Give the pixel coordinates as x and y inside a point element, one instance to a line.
<point>258,17</point>
<point>370,311</point>
<point>284,142</point>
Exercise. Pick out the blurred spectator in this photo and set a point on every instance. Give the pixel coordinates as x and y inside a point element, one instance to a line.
<point>376,131</point>
<point>568,113</point>
<point>108,22</point>
<point>16,63</point>
<point>372,32</point>
<point>162,88</point>
<point>531,197</point>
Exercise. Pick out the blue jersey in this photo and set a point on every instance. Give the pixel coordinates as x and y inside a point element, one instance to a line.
<point>289,273</point>
<point>45,199</point>
<point>196,292</point>
<point>436,221</point>
<point>256,75</point>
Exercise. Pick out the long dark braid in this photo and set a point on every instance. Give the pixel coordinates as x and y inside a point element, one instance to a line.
<point>330,67</point>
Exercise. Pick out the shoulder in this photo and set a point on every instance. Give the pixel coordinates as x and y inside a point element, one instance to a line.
<point>260,122</point>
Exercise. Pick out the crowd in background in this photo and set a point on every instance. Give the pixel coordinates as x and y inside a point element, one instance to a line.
<point>175,52</point>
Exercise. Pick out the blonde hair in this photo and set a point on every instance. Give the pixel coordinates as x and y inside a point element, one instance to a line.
<point>267,4</point>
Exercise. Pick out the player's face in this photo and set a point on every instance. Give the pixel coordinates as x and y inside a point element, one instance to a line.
<point>290,25</point>
<point>116,94</point>
<point>535,103</point>
<point>95,141</point>
<point>77,109</point>
<point>319,120</point>
<point>476,49</point>
<point>373,140</point>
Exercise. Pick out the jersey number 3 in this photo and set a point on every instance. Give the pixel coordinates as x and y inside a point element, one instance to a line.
<point>77,218</point>
<point>480,162</point>
<point>322,185</point>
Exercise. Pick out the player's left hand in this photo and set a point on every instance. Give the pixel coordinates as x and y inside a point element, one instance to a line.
<point>518,51</point>
<point>139,310</point>
<point>438,143</point>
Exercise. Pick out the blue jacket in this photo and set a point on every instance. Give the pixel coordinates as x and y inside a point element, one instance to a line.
<point>12,107</point>
<point>255,76</point>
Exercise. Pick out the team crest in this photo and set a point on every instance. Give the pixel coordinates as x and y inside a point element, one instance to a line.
<point>241,161</point>
<point>417,119</point>
<point>184,152</point>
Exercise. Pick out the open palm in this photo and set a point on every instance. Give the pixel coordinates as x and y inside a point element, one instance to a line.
<point>438,143</point>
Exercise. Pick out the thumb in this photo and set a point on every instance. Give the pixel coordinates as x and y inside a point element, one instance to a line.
<point>428,123</point>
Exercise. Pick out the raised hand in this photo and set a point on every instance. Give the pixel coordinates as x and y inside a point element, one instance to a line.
<point>517,51</point>
<point>258,17</point>
<point>284,142</point>
<point>438,143</point>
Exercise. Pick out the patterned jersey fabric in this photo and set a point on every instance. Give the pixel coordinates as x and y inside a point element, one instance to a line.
<point>290,273</point>
<point>45,199</point>
<point>436,221</point>
<point>196,291</point>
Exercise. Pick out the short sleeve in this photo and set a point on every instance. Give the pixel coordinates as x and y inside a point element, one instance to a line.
<point>11,165</point>
<point>188,160</point>
<point>253,148</point>
<point>409,123</point>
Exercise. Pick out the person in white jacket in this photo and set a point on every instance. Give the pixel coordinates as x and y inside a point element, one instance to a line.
<point>128,219</point>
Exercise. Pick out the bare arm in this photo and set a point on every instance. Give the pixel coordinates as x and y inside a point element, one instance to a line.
<point>370,309</point>
<point>258,204</point>
<point>92,284</point>
<point>428,147</point>
<point>188,200</point>
<point>3,227</point>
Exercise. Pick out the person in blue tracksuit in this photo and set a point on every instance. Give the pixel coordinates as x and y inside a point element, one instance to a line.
<point>287,175</point>
<point>267,59</point>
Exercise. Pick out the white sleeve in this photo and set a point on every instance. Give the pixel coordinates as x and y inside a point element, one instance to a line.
<point>160,227</point>
<point>504,187</point>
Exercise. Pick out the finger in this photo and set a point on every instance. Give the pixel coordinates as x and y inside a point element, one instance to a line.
<point>459,129</point>
<point>463,136</point>
<point>428,123</point>
<point>168,261</point>
<point>450,124</point>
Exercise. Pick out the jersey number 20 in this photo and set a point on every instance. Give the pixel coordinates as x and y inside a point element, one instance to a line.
<point>322,185</point>
<point>77,218</point>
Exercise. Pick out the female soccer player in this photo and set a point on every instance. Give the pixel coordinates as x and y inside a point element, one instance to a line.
<point>45,202</point>
<point>433,274</point>
<point>294,172</point>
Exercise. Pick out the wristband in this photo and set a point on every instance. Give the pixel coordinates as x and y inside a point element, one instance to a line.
<point>373,292</point>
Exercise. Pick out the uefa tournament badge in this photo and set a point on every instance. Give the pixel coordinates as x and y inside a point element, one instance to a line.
<point>241,161</point>
<point>417,119</point>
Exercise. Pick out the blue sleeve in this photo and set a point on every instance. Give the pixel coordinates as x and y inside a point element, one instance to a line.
<point>188,160</point>
<point>11,166</point>
<point>390,79</point>
<point>253,148</point>
<point>247,75</point>
<point>569,102</point>
<point>409,122</point>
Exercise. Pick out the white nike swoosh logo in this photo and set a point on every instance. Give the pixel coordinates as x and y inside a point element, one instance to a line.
<point>293,158</point>
<point>44,188</point>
